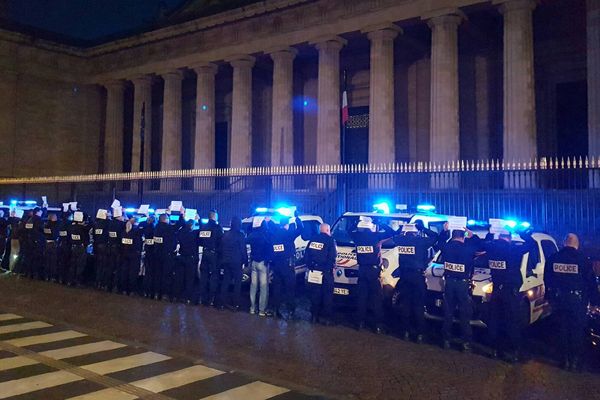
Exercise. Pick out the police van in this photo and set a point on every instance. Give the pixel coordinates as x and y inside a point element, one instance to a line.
<point>534,306</point>
<point>346,269</point>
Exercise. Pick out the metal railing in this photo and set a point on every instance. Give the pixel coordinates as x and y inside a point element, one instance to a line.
<point>555,195</point>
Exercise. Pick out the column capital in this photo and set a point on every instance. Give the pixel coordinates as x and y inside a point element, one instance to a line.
<point>283,53</point>
<point>514,5</point>
<point>171,74</point>
<point>242,61</point>
<point>444,17</point>
<point>140,80</point>
<point>205,68</point>
<point>382,31</point>
<point>114,84</point>
<point>330,43</point>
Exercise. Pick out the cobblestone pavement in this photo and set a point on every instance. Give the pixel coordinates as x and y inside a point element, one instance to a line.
<point>336,362</point>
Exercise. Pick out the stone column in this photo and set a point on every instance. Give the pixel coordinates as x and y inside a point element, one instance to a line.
<point>382,143</point>
<point>240,154</point>
<point>593,73</point>
<point>204,137</point>
<point>282,141</point>
<point>142,99</point>
<point>444,144</point>
<point>171,135</point>
<point>482,106</point>
<point>113,138</point>
<point>519,83</point>
<point>328,100</point>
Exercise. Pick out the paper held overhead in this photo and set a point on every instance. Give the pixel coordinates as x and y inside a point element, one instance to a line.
<point>144,209</point>
<point>117,212</point>
<point>101,214</point>
<point>78,216</point>
<point>73,206</point>
<point>257,221</point>
<point>457,223</point>
<point>116,203</point>
<point>176,205</point>
<point>190,214</point>
<point>498,226</point>
<point>66,206</point>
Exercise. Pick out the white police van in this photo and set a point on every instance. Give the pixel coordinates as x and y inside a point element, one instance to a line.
<point>346,269</point>
<point>534,305</point>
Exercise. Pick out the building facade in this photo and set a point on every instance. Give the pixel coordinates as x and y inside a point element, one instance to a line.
<point>261,85</point>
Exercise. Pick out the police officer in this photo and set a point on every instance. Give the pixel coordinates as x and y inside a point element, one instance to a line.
<point>100,244</point>
<point>320,256</point>
<point>569,283</point>
<point>187,263</point>
<point>504,260</point>
<point>165,245</point>
<point>458,256</point>
<point>148,257</point>
<point>210,235</point>
<point>283,260</point>
<point>51,234</point>
<point>260,251</point>
<point>79,238</point>
<point>234,255</point>
<point>64,249</point>
<point>3,240</point>
<point>36,242</point>
<point>131,257</point>
<point>116,227</point>
<point>413,248</point>
<point>368,239</point>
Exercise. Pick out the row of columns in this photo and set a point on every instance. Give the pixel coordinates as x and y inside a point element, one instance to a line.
<point>519,101</point>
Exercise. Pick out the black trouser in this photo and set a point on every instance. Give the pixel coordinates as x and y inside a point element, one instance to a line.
<point>232,274</point>
<point>505,313</point>
<point>321,296</point>
<point>164,262</point>
<point>24,264</point>
<point>284,285</point>
<point>101,258</point>
<point>4,249</point>
<point>129,271</point>
<point>209,275</point>
<point>412,290</point>
<point>36,261</point>
<point>64,262</point>
<point>456,295</point>
<point>51,261</point>
<point>149,271</point>
<point>571,309</point>
<point>370,294</point>
<point>113,260</point>
<point>78,264</point>
<point>184,277</point>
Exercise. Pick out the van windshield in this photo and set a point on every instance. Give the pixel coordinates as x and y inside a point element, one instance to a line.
<point>346,224</point>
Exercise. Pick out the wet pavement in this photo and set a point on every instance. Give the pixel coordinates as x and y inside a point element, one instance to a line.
<point>308,360</point>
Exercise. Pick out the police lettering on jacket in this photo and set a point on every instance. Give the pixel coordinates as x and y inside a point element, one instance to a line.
<point>413,250</point>
<point>52,230</point>
<point>164,237</point>
<point>569,270</point>
<point>283,241</point>
<point>321,253</point>
<point>505,258</point>
<point>34,229</point>
<point>458,258</point>
<point>100,231</point>
<point>132,241</point>
<point>210,235</point>
<point>115,230</point>
<point>78,234</point>
<point>368,245</point>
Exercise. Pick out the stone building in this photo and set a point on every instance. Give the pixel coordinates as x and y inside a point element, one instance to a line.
<point>262,85</point>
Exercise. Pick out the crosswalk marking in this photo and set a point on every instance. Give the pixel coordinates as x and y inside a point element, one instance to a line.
<point>44,381</point>
<point>83,349</point>
<point>47,338</point>
<point>23,327</point>
<point>123,363</point>
<point>252,391</point>
<point>106,394</point>
<point>8,317</point>
<point>15,362</point>
<point>175,379</point>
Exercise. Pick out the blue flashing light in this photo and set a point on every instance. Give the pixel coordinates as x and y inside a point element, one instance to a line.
<point>511,223</point>
<point>204,220</point>
<point>262,209</point>
<point>286,211</point>
<point>13,202</point>
<point>382,207</point>
<point>525,225</point>
<point>305,103</point>
<point>426,207</point>
<point>30,202</point>
<point>204,107</point>
<point>151,211</point>
<point>130,210</point>
<point>471,222</point>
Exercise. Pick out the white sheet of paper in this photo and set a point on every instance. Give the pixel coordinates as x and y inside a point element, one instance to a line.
<point>176,205</point>
<point>73,206</point>
<point>409,228</point>
<point>315,277</point>
<point>498,226</point>
<point>144,209</point>
<point>66,206</point>
<point>190,214</point>
<point>78,216</point>
<point>101,214</point>
<point>117,212</point>
<point>44,200</point>
<point>19,213</point>
<point>257,221</point>
<point>160,211</point>
<point>457,223</point>
<point>116,203</point>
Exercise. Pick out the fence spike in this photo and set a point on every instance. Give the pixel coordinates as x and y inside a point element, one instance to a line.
<point>587,162</point>
<point>593,165</point>
<point>568,162</point>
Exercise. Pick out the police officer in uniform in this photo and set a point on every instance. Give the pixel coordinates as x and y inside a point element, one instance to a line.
<point>368,239</point>
<point>79,238</point>
<point>234,255</point>
<point>187,262</point>
<point>504,260</point>
<point>413,248</point>
<point>51,234</point>
<point>148,258</point>
<point>116,226</point>
<point>64,249</point>
<point>570,282</point>
<point>36,242</point>
<point>320,256</point>
<point>165,245</point>
<point>3,240</point>
<point>458,255</point>
<point>283,262</point>
<point>100,244</point>
<point>210,235</point>
<point>131,257</point>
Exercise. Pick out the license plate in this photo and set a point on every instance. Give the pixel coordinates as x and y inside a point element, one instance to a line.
<point>342,291</point>
<point>438,302</point>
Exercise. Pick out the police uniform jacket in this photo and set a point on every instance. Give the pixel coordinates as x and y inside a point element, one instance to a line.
<point>321,253</point>
<point>282,241</point>
<point>100,231</point>
<point>132,241</point>
<point>504,260</point>
<point>3,227</point>
<point>13,223</point>
<point>63,231</point>
<point>34,228</point>
<point>569,270</point>
<point>188,242</point>
<point>115,232</point>
<point>164,237</point>
<point>413,251</point>
<point>458,259</point>
<point>368,245</point>
<point>210,235</point>
<point>78,234</point>
<point>233,248</point>
<point>52,231</point>
<point>148,232</point>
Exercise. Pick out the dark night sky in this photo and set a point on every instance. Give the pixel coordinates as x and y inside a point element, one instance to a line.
<point>87,20</point>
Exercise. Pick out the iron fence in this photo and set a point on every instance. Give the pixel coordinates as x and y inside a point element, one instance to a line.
<point>555,195</point>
